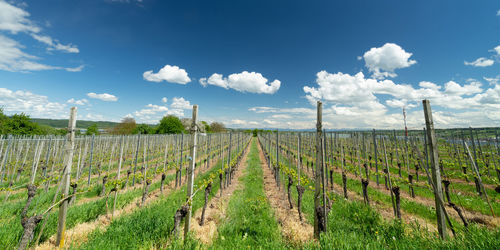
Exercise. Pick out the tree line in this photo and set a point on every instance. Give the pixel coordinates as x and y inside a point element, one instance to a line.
<point>21,124</point>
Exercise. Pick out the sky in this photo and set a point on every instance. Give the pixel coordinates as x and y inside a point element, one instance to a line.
<point>254,64</point>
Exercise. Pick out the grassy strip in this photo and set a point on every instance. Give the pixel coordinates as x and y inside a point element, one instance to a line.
<point>352,225</point>
<point>11,232</point>
<point>250,222</point>
<point>151,226</point>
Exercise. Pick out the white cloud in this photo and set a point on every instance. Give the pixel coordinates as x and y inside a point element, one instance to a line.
<point>12,58</point>
<point>454,88</point>
<point>245,81</point>
<point>180,103</point>
<point>152,113</point>
<point>357,101</point>
<point>497,49</point>
<point>150,109</point>
<point>103,97</point>
<point>55,45</point>
<point>492,80</point>
<point>76,69</point>
<point>395,103</point>
<point>480,62</point>
<point>35,105</point>
<point>383,61</point>
<point>281,116</point>
<point>15,19</point>
<point>78,102</point>
<point>168,73</point>
<point>95,117</point>
<point>498,13</point>
<point>301,111</point>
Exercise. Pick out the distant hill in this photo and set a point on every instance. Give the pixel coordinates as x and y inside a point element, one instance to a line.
<point>63,123</point>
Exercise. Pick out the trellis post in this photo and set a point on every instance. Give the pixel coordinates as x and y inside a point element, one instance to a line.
<point>68,160</point>
<point>436,176</point>
<point>190,170</point>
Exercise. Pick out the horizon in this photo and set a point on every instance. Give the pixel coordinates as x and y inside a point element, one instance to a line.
<point>254,65</point>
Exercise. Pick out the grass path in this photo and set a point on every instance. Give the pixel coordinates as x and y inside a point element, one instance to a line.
<point>250,222</point>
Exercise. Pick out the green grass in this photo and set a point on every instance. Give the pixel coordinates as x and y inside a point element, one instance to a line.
<point>150,226</point>
<point>250,223</point>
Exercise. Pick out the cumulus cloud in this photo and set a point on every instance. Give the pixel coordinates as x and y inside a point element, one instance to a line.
<point>103,97</point>
<point>180,103</point>
<point>150,109</point>
<point>245,81</point>
<point>78,102</point>
<point>21,101</point>
<point>454,88</point>
<point>497,49</point>
<point>358,100</point>
<point>172,74</point>
<point>480,62</point>
<point>498,13</point>
<point>383,61</point>
<point>12,57</point>
<point>152,113</point>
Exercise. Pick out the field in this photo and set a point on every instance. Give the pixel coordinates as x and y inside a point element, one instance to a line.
<point>249,191</point>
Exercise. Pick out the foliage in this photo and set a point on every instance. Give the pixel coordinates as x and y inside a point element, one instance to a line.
<point>208,129</point>
<point>170,124</point>
<point>92,130</point>
<point>125,127</point>
<point>143,129</point>
<point>217,127</point>
<point>20,124</point>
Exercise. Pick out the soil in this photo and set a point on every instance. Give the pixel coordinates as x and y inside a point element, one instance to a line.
<point>293,230</point>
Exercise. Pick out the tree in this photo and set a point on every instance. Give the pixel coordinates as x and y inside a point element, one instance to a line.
<point>21,124</point>
<point>125,127</point>
<point>3,122</point>
<point>170,124</point>
<point>144,129</point>
<point>92,130</point>
<point>207,127</point>
<point>217,127</point>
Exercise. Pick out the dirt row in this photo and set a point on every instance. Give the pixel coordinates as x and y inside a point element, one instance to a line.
<point>293,230</point>
<point>217,207</point>
<point>488,220</point>
<point>79,234</point>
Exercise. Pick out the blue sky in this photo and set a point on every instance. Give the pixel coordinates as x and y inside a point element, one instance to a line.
<point>254,63</point>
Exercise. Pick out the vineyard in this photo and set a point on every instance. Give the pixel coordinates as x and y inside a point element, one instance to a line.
<point>272,190</point>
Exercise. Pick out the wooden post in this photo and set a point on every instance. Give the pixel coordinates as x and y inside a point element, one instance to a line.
<point>436,176</point>
<point>68,160</point>
<point>120,161</point>
<point>376,156</point>
<point>317,172</point>
<point>298,159</point>
<point>190,169</point>
<point>90,160</point>
<point>277,167</point>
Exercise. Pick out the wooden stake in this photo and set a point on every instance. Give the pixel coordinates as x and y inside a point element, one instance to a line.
<point>190,170</point>
<point>436,176</point>
<point>66,179</point>
<point>317,172</point>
